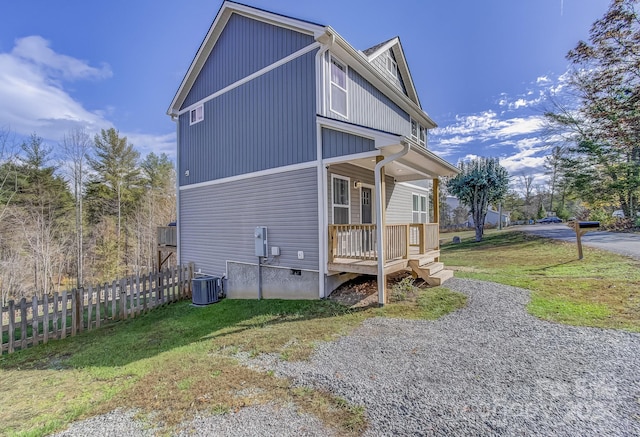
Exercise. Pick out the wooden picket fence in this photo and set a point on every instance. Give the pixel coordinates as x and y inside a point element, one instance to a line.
<point>27,323</point>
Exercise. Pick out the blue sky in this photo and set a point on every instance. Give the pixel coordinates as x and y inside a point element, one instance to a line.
<point>483,69</point>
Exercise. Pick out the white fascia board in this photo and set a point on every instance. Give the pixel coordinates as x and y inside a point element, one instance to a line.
<point>395,45</point>
<point>215,31</point>
<point>278,20</point>
<point>406,74</point>
<point>381,139</point>
<point>383,49</point>
<point>369,72</point>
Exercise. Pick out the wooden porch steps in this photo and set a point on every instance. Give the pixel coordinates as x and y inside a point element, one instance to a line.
<point>433,272</point>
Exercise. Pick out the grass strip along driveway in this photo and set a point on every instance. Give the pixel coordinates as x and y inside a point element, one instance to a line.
<point>178,360</point>
<point>601,290</point>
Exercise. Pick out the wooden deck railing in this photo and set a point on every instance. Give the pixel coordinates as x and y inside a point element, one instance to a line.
<point>167,236</point>
<point>360,241</point>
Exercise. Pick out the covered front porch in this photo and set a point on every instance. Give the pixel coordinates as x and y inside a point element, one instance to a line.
<point>415,246</point>
<point>380,217</point>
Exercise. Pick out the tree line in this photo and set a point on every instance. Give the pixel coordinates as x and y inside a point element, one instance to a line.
<point>83,211</point>
<point>597,153</point>
<point>593,165</point>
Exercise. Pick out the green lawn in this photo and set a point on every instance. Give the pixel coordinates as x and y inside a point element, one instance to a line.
<point>179,358</point>
<point>602,290</point>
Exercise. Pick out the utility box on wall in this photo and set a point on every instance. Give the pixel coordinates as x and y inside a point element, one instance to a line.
<point>260,235</point>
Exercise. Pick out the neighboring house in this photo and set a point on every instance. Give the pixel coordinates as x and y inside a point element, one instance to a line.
<point>454,208</point>
<point>281,123</point>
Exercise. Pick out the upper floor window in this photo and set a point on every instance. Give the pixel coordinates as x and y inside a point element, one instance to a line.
<point>418,133</point>
<point>196,114</point>
<point>338,87</point>
<point>392,66</point>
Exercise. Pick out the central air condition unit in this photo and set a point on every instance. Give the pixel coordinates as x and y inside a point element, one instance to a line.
<point>206,290</point>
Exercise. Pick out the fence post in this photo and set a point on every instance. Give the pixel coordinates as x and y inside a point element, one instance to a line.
<point>34,320</point>
<point>45,318</point>
<point>23,323</point>
<point>65,304</point>
<point>89,306</point>
<point>56,310</point>
<point>74,314</point>
<point>80,308</point>
<point>12,326</point>
<point>114,291</point>
<point>123,298</point>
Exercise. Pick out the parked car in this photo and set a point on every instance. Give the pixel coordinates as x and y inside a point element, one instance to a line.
<point>550,220</point>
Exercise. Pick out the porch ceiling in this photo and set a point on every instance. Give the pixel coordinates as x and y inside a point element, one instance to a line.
<point>417,164</point>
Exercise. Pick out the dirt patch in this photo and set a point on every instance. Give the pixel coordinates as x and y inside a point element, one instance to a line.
<point>362,291</point>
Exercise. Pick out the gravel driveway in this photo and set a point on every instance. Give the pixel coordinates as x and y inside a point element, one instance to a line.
<point>488,369</point>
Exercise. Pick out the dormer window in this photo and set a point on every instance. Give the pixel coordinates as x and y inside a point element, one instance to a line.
<point>196,115</point>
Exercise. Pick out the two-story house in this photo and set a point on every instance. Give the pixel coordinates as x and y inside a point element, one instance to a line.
<point>282,124</point>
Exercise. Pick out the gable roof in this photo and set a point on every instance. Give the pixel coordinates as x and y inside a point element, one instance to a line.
<point>222,17</point>
<point>325,35</point>
<point>395,46</point>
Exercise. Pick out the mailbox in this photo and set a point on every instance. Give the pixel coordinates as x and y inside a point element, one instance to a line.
<point>581,228</point>
<point>588,225</point>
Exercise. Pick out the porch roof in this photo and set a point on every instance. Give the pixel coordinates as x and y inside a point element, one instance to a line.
<point>419,163</point>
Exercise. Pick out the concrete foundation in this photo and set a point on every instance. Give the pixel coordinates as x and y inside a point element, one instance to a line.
<point>277,282</point>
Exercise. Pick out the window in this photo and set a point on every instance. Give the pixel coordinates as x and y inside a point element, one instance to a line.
<point>338,88</point>
<point>340,195</point>
<point>414,130</point>
<point>418,133</point>
<point>196,115</point>
<point>419,208</point>
<point>392,66</point>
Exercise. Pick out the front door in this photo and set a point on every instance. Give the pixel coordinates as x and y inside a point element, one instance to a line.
<point>365,202</point>
<point>366,218</point>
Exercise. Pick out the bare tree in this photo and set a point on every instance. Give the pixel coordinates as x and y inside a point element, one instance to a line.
<point>76,146</point>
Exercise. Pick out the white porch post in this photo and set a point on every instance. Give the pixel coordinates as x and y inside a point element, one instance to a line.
<point>380,220</point>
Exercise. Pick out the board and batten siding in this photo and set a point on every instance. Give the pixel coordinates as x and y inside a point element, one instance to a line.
<point>244,47</point>
<point>368,106</point>
<point>356,173</point>
<point>380,62</point>
<point>265,123</point>
<point>217,222</point>
<point>336,143</point>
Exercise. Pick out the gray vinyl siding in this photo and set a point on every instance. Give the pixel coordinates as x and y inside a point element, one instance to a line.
<point>217,222</point>
<point>244,47</point>
<point>363,175</point>
<point>367,106</point>
<point>401,204</point>
<point>265,123</point>
<point>336,143</point>
<point>381,64</point>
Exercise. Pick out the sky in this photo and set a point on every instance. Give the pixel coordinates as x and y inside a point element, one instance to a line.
<point>483,69</point>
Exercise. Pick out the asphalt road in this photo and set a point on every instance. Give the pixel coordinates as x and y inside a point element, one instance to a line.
<point>618,242</point>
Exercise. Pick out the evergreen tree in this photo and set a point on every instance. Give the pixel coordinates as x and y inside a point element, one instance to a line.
<point>114,187</point>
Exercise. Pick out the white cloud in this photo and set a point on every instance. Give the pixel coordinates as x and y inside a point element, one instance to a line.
<point>146,143</point>
<point>35,50</point>
<point>33,97</point>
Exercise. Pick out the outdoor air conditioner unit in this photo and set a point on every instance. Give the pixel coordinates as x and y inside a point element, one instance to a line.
<point>206,290</point>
